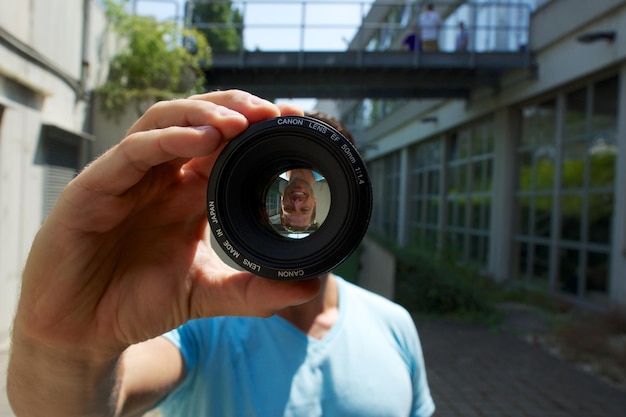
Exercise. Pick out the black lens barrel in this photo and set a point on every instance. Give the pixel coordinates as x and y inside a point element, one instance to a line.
<point>241,175</point>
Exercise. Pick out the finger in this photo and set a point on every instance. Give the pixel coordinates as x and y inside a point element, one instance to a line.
<point>268,296</point>
<point>244,294</point>
<point>212,109</point>
<point>204,165</point>
<point>288,109</point>
<point>124,165</point>
<point>252,107</point>
<point>186,112</point>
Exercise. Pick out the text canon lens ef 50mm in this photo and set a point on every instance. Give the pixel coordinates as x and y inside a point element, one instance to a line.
<point>288,199</point>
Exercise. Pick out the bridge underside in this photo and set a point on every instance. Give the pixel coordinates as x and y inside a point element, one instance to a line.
<point>360,75</point>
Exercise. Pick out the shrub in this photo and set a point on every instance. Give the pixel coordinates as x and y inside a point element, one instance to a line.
<point>428,285</point>
<point>150,63</point>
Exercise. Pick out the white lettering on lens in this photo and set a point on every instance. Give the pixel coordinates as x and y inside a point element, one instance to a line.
<point>291,274</point>
<point>348,153</point>
<point>233,252</point>
<point>317,126</point>
<point>290,121</point>
<point>251,265</point>
<point>212,213</point>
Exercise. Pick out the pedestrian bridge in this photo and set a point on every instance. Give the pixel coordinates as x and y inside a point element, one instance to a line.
<point>354,49</point>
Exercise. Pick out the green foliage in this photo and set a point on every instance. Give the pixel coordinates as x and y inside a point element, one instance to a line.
<point>150,64</point>
<point>429,285</point>
<point>220,23</point>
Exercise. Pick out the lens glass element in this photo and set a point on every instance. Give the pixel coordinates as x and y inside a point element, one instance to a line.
<point>297,202</point>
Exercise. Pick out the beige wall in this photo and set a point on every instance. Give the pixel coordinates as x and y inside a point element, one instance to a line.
<point>41,62</point>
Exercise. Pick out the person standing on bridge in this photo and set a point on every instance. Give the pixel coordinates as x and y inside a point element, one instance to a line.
<point>124,257</point>
<point>429,23</point>
<point>462,38</point>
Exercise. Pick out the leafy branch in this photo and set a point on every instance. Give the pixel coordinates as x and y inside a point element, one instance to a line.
<point>156,60</point>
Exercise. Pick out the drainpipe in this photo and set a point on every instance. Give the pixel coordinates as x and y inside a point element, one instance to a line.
<point>84,58</point>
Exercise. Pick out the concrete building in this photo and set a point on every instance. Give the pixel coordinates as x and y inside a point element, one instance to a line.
<point>52,54</point>
<point>526,180</point>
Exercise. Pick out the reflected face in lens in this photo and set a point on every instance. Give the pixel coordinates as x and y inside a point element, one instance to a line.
<point>298,201</point>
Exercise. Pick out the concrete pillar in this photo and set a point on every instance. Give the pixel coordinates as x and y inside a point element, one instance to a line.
<point>617,279</point>
<point>378,269</point>
<point>403,192</point>
<point>502,204</point>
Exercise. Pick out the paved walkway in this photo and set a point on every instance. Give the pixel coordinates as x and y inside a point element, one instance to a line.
<point>477,372</point>
<point>474,371</point>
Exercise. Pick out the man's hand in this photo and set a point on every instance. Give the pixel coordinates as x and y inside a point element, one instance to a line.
<point>124,256</point>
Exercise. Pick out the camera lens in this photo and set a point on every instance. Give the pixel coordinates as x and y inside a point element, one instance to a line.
<point>288,199</point>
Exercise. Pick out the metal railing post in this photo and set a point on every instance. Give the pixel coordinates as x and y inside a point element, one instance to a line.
<point>302,29</point>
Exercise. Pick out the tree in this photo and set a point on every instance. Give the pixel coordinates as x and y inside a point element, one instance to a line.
<point>150,64</point>
<point>219,22</point>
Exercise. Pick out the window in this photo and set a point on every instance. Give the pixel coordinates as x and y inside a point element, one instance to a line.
<point>534,197</point>
<point>565,193</point>
<point>60,154</point>
<point>385,174</point>
<point>589,156</point>
<point>425,171</point>
<point>468,192</point>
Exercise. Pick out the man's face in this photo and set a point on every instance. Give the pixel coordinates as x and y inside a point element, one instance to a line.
<point>298,205</point>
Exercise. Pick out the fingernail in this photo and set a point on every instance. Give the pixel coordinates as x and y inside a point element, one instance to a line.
<point>226,112</point>
<point>258,101</point>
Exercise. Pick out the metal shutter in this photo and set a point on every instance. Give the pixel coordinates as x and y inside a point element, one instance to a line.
<point>61,164</point>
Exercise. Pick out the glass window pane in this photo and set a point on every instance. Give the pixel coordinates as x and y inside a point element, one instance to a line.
<point>605,100</point>
<point>433,213</point>
<point>477,176</point>
<point>461,206</point>
<point>522,259</point>
<point>573,165</point>
<point>490,141</point>
<point>489,175</point>
<point>543,216</point>
<point>541,263</point>
<point>596,276</point>
<point>452,213</point>
<point>524,216</point>
<point>569,270</point>
<point>476,248</point>
<point>575,113</point>
<point>462,178</point>
<point>477,209</point>
<point>571,217</point>
<point>416,184</point>
<point>602,160</point>
<point>544,169</point>
<point>525,174</point>
<point>600,215</point>
<point>453,179</point>
<point>546,122</point>
<point>487,214</point>
<point>433,185</point>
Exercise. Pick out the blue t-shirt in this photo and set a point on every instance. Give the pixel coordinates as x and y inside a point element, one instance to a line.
<point>369,364</point>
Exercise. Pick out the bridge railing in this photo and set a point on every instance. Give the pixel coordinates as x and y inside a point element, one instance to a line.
<point>364,26</point>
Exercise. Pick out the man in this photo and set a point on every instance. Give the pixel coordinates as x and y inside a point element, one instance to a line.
<point>124,257</point>
<point>298,203</point>
<point>462,38</point>
<point>430,22</point>
<point>411,42</point>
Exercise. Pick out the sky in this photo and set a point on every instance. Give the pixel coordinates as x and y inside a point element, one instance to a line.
<point>276,24</point>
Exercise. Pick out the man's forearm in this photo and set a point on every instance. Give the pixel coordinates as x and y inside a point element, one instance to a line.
<point>43,381</point>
